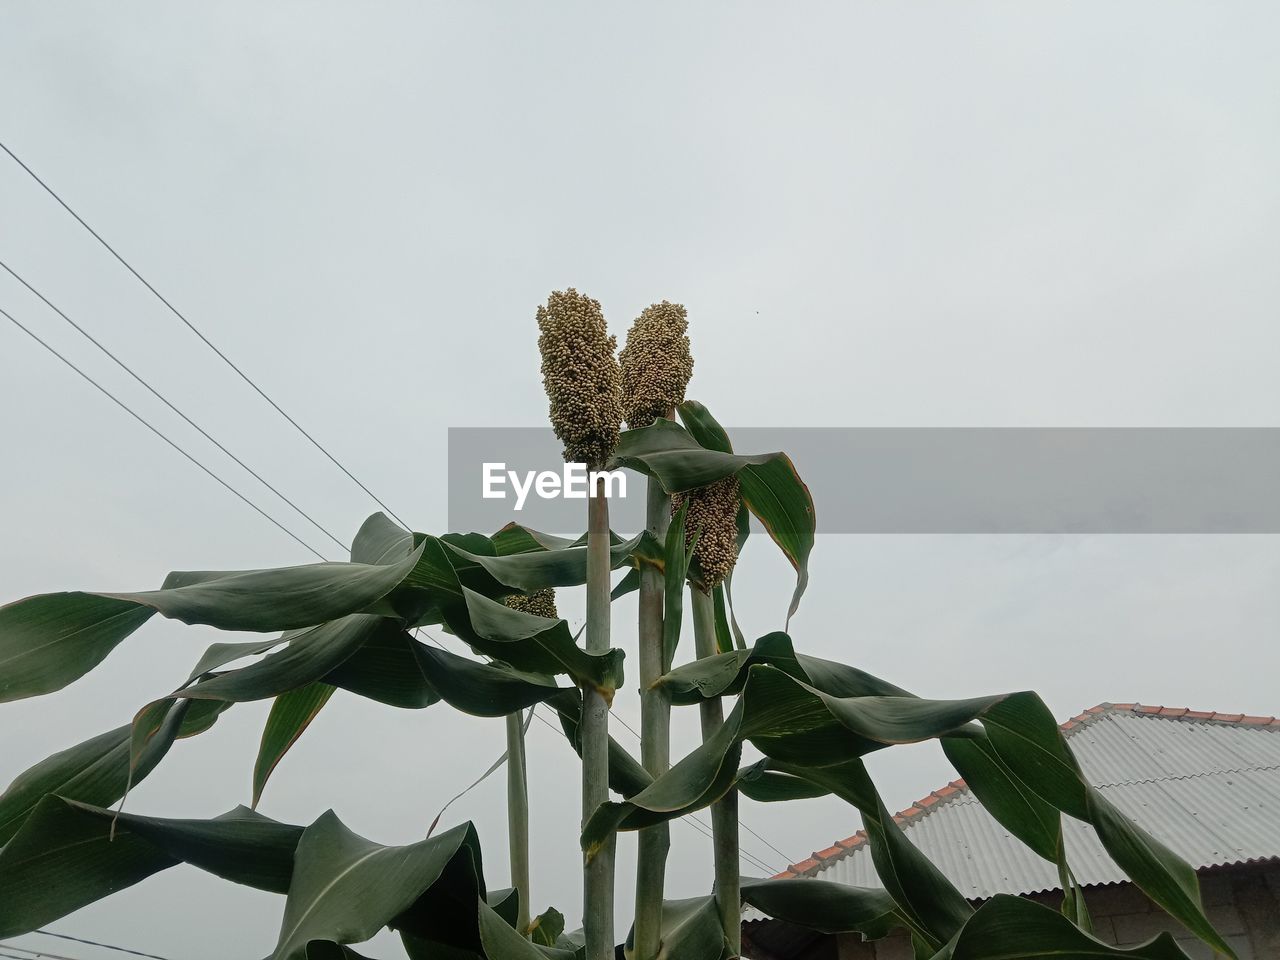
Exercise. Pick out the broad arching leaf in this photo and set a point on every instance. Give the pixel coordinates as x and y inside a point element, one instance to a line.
<point>1008,926</point>
<point>98,771</point>
<point>48,641</point>
<point>531,643</point>
<point>346,888</point>
<point>790,721</point>
<point>308,657</point>
<point>66,856</point>
<point>670,454</point>
<point>530,571</point>
<point>1019,760</point>
<point>380,540</point>
<point>386,669</point>
<point>823,905</point>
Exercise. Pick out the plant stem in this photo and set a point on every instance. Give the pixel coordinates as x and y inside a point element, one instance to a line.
<point>724,812</point>
<point>655,734</point>
<point>518,816</point>
<point>597,874</point>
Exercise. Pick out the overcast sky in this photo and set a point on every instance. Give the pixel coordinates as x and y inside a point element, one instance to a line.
<point>978,214</point>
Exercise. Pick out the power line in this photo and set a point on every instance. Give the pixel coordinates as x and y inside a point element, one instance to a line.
<point>192,327</point>
<point>129,410</point>
<point>105,946</point>
<point>163,399</point>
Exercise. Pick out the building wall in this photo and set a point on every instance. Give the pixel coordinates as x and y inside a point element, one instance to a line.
<point>1242,902</point>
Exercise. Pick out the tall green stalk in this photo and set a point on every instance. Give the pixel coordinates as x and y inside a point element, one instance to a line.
<point>597,910</point>
<point>518,816</point>
<point>724,812</point>
<point>655,734</point>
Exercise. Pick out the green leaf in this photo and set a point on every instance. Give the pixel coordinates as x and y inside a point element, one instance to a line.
<point>346,888</point>
<point>676,558</point>
<point>158,724</point>
<point>48,641</point>
<point>380,540</point>
<point>806,729</point>
<point>1018,764</point>
<point>531,643</point>
<point>65,857</point>
<point>703,427</point>
<point>780,500</point>
<point>1163,876</point>
<point>690,930</point>
<point>628,584</point>
<point>220,654</point>
<point>724,636</point>
<point>262,601</point>
<point>1033,820</point>
<point>547,927</point>
<point>667,452</point>
<point>764,785</point>
<point>97,771</point>
<point>500,941</point>
<point>514,538</point>
<point>386,669</point>
<point>1032,747</point>
<point>726,674</point>
<point>290,715</point>
<point>823,905</point>
<point>482,689</point>
<point>696,781</point>
<point>532,571</point>
<point>308,657</point>
<point>1008,926</point>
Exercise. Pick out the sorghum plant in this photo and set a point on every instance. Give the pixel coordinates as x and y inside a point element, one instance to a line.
<point>348,627</point>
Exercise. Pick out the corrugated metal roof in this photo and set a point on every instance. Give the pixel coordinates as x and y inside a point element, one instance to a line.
<point>1206,784</point>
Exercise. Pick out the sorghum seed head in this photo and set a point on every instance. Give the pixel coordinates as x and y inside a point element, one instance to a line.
<point>656,363</point>
<point>541,603</point>
<point>581,377</point>
<point>713,517</point>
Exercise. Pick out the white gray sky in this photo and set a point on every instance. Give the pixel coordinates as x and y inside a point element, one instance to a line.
<point>979,214</point>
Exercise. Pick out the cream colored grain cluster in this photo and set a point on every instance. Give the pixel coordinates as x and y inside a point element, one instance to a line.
<point>713,516</point>
<point>656,363</point>
<point>581,376</point>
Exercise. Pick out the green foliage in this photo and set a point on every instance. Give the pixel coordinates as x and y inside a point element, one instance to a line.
<point>339,629</point>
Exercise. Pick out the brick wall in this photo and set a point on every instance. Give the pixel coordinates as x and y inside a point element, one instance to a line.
<point>1243,903</point>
